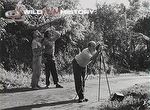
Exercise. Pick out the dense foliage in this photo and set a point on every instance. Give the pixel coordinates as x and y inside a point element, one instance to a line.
<point>114,25</point>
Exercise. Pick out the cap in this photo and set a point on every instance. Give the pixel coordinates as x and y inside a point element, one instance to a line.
<point>92,43</point>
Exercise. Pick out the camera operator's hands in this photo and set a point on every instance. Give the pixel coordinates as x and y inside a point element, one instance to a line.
<point>98,46</point>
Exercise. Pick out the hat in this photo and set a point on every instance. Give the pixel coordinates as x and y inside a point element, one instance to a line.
<point>51,30</point>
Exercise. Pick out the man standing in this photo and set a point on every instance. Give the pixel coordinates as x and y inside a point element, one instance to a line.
<point>37,58</point>
<point>80,63</point>
<point>50,36</point>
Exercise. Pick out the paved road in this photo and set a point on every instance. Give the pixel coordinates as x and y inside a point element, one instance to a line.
<point>62,98</point>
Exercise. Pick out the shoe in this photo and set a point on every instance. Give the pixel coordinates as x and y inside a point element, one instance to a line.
<point>35,88</point>
<point>82,100</point>
<point>46,87</point>
<point>58,86</point>
<point>38,86</point>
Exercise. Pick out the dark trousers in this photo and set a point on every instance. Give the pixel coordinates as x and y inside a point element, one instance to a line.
<point>79,77</point>
<point>50,67</point>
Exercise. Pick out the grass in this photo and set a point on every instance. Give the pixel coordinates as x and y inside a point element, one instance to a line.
<point>135,98</point>
<point>12,79</point>
<point>21,79</point>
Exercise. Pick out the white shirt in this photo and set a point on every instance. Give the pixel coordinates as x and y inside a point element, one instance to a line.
<point>83,58</point>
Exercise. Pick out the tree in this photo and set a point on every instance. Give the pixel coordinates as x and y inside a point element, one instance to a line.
<point>17,35</point>
<point>142,26</point>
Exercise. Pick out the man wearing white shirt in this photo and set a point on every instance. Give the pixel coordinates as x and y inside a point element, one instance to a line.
<point>80,63</point>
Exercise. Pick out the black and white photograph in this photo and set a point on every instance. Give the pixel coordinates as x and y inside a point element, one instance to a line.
<point>74,55</point>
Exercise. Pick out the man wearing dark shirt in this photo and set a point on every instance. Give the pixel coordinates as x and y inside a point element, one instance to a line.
<point>50,36</point>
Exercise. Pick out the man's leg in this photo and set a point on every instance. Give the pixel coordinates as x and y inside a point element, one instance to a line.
<point>47,73</point>
<point>33,80</point>
<point>34,75</point>
<point>77,77</point>
<point>54,71</point>
<point>83,79</point>
<point>38,70</point>
<point>54,74</point>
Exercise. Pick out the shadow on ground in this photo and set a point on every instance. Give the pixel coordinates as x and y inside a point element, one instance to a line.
<point>24,89</point>
<point>29,107</point>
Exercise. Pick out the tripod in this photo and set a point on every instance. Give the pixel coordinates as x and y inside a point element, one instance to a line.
<point>101,60</point>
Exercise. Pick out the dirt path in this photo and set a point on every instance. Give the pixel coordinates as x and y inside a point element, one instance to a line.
<point>62,98</point>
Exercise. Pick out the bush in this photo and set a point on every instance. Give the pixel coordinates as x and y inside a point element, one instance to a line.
<point>136,98</point>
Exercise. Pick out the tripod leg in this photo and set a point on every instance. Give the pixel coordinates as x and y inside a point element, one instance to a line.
<point>107,79</point>
<point>99,79</point>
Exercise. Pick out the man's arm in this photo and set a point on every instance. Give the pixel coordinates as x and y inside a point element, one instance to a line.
<point>93,61</point>
<point>55,35</point>
<point>144,36</point>
<point>98,50</point>
<point>94,57</point>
